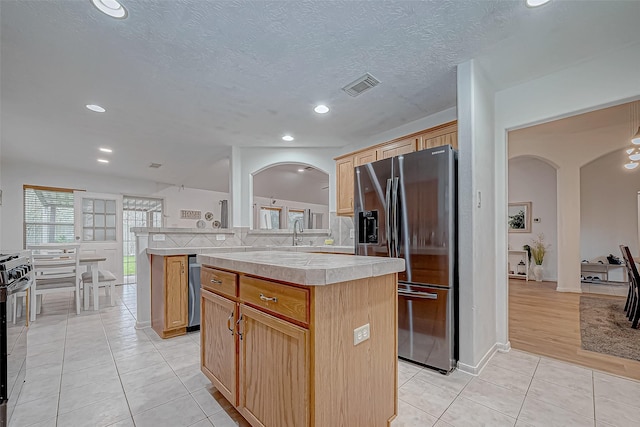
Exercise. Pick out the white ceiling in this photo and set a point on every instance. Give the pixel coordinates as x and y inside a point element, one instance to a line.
<point>284,182</point>
<point>183,81</point>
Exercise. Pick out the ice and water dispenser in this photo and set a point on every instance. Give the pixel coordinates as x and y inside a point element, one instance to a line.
<point>368,227</point>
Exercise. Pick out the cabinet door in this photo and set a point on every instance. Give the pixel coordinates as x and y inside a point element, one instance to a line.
<point>404,146</point>
<point>437,141</point>
<point>274,371</point>
<point>446,134</point>
<point>176,304</point>
<point>218,343</point>
<point>344,184</point>
<point>364,157</point>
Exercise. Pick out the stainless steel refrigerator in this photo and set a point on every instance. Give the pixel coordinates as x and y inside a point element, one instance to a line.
<point>405,207</point>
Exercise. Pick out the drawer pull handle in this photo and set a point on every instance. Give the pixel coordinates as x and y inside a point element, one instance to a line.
<point>263,298</point>
<point>229,323</point>
<point>216,281</point>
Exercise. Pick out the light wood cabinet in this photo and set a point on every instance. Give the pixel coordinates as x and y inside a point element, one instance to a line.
<point>396,148</point>
<point>219,316</point>
<point>274,371</point>
<point>446,134</point>
<point>364,157</point>
<point>291,361</point>
<point>434,137</point>
<point>169,295</point>
<point>344,185</point>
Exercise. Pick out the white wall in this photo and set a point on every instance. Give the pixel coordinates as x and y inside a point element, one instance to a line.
<point>177,198</point>
<point>436,119</point>
<point>605,80</point>
<point>476,210</point>
<point>252,160</point>
<point>532,180</point>
<point>608,208</point>
<point>15,175</point>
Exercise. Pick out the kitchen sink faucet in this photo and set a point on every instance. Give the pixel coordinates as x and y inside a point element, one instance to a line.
<point>297,240</point>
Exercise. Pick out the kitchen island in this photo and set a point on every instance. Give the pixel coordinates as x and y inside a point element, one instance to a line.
<point>302,339</point>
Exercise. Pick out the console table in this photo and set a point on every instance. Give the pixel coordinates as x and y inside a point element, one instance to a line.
<point>520,256</point>
<point>602,270</point>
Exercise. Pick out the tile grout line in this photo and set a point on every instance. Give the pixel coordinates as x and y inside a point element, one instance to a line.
<point>64,350</point>
<point>528,388</point>
<point>113,359</point>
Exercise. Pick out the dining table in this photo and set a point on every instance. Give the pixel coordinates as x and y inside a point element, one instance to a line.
<point>91,262</point>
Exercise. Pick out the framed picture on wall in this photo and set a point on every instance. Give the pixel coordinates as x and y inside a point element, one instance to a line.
<point>519,217</point>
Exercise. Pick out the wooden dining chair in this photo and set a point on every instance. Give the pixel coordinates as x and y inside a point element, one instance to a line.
<point>56,269</point>
<point>633,311</point>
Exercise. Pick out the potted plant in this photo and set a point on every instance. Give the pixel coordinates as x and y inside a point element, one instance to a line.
<point>538,250</point>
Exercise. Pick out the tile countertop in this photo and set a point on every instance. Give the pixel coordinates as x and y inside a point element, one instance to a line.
<point>310,269</point>
<point>224,249</point>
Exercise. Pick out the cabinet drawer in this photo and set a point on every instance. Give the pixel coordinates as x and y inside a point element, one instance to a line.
<point>218,281</point>
<point>286,300</point>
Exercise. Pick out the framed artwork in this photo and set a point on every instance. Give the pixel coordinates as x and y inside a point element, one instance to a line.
<point>519,217</point>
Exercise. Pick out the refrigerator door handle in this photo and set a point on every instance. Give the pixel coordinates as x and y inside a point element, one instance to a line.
<point>394,207</point>
<point>422,295</point>
<point>387,217</point>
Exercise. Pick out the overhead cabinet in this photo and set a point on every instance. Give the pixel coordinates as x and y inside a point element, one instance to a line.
<point>446,134</point>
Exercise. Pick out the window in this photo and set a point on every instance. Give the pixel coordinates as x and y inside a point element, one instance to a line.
<point>270,218</point>
<point>48,215</point>
<point>137,212</point>
<point>295,214</point>
<point>98,220</point>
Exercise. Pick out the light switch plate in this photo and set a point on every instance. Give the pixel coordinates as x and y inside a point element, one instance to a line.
<point>158,237</point>
<point>361,334</point>
<point>220,237</point>
<point>352,233</point>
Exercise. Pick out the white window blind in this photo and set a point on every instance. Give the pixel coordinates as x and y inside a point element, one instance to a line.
<point>48,215</point>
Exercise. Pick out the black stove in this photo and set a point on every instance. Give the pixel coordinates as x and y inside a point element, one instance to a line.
<point>16,275</point>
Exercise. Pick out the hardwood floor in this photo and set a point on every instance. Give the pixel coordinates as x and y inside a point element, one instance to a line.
<point>545,322</point>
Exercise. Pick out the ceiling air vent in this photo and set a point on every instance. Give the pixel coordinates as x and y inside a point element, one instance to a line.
<point>360,85</point>
<point>155,165</point>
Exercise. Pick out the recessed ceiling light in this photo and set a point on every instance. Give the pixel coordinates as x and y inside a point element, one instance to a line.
<point>321,109</point>
<point>630,150</point>
<point>536,3</point>
<point>300,170</point>
<point>631,165</point>
<point>635,157</point>
<point>113,8</point>
<point>106,150</point>
<point>103,160</point>
<point>287,138</point>
<point>96,108</point>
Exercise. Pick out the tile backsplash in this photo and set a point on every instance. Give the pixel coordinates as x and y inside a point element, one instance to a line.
<point>340,231</point>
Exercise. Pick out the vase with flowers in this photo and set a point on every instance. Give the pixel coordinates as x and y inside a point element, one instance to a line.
<point>538,251</point>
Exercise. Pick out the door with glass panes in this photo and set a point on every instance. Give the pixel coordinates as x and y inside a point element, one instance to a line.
<point>98,228</point>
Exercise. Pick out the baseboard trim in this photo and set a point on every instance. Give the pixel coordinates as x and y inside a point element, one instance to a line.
<point>504,347</point>
<point>142,325</point>
<point>475,370</point>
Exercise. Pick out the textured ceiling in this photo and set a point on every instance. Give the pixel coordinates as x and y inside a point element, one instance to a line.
<point>284,182</point>
<point>183,81</point>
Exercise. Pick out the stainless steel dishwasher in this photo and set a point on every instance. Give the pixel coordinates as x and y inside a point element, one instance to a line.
<point>194,294</point>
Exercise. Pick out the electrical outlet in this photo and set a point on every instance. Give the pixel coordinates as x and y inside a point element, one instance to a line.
<point>220,236</point>
<point>361,334</point>
<point>157,237</point>
<point>352,233</point>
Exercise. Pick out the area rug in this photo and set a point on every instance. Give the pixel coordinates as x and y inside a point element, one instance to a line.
<point>604,328</point>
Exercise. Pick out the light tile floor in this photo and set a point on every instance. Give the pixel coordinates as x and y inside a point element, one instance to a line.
<point>97,370</point>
